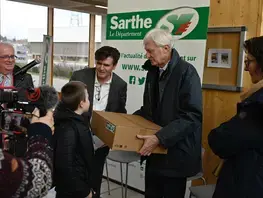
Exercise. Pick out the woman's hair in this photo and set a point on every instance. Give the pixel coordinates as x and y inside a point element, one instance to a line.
<point>254,46</point>
<point>72,94</point>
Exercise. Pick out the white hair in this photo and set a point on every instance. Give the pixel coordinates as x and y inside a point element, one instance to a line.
<point>6,44</point>
<point>160,37</point>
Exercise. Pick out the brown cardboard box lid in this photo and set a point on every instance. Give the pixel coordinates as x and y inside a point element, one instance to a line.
<point>119,119</point>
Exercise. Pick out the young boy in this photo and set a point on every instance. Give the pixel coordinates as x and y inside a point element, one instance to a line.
<point>73,145</point>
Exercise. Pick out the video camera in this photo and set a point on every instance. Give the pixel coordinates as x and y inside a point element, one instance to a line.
<point>44,97</point>
<point>23,100</point>
<point>16,107</point>
<point>16,115</point>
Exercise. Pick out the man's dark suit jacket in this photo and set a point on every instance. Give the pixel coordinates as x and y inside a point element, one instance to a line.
<point>117,94</point>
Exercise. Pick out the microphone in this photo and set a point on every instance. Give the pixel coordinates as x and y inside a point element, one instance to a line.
<point>44,98</point>
<point>27,67</point>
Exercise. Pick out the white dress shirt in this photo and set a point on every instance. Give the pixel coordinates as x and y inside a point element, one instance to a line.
<point>101,94</point>
<point>100,101</point>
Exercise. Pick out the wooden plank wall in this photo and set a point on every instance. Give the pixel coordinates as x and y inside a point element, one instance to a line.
<point>218,106</point>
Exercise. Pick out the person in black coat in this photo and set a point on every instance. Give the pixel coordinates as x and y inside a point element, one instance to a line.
<point>239,141</point>
<point>107,92</point>
<point>172,99</point>
<point>73,144</point>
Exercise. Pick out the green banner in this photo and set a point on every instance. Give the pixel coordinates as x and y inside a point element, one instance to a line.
<point>45,67</point>
<point>183,23</point>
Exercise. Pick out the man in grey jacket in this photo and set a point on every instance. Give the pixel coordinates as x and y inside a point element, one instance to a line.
<point>173,100</point>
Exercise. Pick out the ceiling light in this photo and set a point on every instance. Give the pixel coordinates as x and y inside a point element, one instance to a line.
<point>98,6</point>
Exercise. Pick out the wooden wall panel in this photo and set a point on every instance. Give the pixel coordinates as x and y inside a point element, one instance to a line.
<point>219,106</point>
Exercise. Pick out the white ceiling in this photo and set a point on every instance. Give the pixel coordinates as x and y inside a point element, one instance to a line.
<point>87,6</point>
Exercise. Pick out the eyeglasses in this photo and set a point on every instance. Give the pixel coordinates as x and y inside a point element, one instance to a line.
<point>6,57</point>
<point>98,90</point>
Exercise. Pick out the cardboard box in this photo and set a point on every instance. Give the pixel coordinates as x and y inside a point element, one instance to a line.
<point>118,131</point>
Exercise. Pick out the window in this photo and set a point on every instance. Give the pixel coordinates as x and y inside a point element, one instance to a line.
<point>98,31</point>
<point>71,43</point>
<point>24,30</point>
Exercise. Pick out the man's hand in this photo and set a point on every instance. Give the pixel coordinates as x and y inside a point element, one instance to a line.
<point>47,119</point>
<point>150,143</point>
<point>90,195</point>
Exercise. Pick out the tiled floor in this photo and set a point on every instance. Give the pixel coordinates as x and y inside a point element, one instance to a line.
<point>114,193</point>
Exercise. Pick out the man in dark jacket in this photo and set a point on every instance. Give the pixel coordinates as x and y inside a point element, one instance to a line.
<point>107,92</point>
<point>173,100</point>
<point>73,146</point>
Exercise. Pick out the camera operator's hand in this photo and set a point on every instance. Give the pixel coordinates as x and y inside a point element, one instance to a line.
<point>47,119</point>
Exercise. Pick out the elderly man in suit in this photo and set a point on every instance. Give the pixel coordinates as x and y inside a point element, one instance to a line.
<point>8,68</point>
<point>107,92</point>
<point>173,100</point>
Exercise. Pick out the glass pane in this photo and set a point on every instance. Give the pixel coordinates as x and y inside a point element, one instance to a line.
<point>98,33</point>
<point>71,43</point>
<point>71,36</point>
<point>24,25</point>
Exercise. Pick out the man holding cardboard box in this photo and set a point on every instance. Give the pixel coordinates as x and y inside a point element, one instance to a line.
<point>108,92</point>
<point>173,100</point>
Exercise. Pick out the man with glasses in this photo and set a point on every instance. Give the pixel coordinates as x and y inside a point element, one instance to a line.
<point>107,92</point>
<point>7,79</point>
<point>8,68</point>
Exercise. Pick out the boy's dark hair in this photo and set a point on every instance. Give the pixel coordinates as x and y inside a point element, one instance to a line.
<point>254,46</point>
<point>72,94</point>
<point>107,51</point>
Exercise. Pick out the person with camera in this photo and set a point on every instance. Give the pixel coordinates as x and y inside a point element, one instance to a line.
<point>238,141</point>
<point>30,176</point>
<point>19,82</point>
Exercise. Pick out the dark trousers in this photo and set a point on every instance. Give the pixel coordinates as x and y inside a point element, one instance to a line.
<point>157,186</point>
<point>97,172</point>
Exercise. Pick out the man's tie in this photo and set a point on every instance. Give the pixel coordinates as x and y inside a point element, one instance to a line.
<point>2,79</point>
